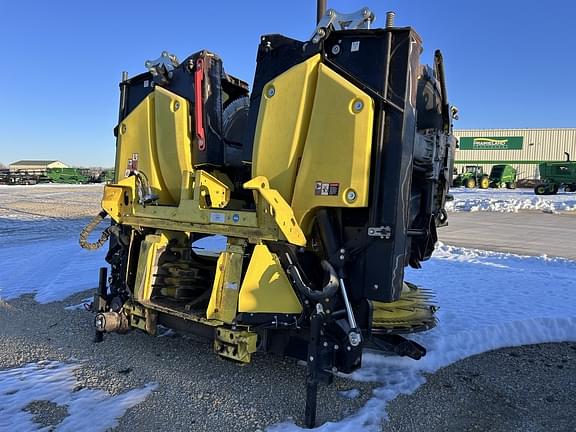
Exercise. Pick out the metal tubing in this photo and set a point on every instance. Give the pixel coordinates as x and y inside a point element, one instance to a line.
<point>349,312</point>
<point>439,63</point>
<point>320,9</point>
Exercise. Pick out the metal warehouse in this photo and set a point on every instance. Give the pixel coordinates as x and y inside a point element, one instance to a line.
<point>36,165</point>
<point>524,149</point>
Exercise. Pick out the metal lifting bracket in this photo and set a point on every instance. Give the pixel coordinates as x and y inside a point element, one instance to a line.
<point>384,232</point>
<point>360,19</point>
<point>161,68</point>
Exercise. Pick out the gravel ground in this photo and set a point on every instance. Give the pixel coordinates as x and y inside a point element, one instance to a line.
<point>527,388</point>
<point>197,390</point>
<point>50,201</point>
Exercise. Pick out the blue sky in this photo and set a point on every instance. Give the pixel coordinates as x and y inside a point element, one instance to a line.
<point>509,63</point>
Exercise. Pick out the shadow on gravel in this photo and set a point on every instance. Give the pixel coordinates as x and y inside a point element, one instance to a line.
<point>197,390</point>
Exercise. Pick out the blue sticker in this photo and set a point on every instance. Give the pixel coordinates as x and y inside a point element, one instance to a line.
<point>236,218</point>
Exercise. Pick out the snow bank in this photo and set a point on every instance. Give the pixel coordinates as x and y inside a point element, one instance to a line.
<point>88,409</point>
<point>506,201</point>
<point>52,269</point>
<point>488,300</point>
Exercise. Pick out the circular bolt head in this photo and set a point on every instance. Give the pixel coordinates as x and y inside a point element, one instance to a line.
<point>176,105</point>
<point>351,195</point>
<point>357,106</point>
<point>336,49</point>
<point>271,91</point>
<point>354,338</point>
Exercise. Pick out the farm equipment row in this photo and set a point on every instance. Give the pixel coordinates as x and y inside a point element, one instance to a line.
<point>56,175</point>
<point>474,176</point>
<point>556,176</point>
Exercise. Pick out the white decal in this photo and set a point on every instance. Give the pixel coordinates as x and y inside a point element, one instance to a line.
<point>217,217</point>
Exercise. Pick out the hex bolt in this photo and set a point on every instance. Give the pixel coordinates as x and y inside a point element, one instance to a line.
<point>325,344</point>
<point>358,105</point>
<point>376,286</point>
<point>311,358</point>
<point>351,195</point>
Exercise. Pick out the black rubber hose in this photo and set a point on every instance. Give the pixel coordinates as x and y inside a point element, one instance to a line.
<point>327,291</point>
<point>88,230</point>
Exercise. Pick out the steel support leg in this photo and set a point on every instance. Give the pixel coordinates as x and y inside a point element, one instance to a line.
<point>101,296</point>
<point>313,372</point>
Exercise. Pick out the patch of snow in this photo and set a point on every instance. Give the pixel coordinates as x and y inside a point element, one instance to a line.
<point>51,269</point>
<point>349,394</point>
<point>507,201</point>
<point>88,409</point>
<point>488,300</point>
<point>83,305</point>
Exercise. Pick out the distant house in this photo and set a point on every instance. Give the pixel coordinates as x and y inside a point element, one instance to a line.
<point>36,165</point>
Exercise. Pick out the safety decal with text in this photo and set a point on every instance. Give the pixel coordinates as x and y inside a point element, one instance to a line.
<point>326,189</point>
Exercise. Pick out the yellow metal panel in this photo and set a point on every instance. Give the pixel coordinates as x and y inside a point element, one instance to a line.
<point>282,125</point>
<point>265,288</point>
<point>206,185</point>
<point>173,144</point>
<point>150,250</point>
<point>155,139</point>
<point>118,198</point>
<point>337,150</point>
<point>137,139</point>
<point>224,298</point>
<point>238,345</point>
<point>279,209</point>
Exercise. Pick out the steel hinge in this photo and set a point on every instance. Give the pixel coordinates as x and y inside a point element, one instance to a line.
<point>384,232</point>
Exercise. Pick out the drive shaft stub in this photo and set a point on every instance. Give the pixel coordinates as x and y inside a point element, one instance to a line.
<point>108,322</point>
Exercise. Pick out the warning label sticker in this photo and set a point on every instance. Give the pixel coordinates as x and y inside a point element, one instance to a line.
<point>132,165</point>
<point>326,189</point>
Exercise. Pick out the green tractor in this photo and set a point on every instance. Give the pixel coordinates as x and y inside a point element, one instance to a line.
<point>67,175</point>
<point>472,176</point>
<point>503,176</point>
<point>556,175</point>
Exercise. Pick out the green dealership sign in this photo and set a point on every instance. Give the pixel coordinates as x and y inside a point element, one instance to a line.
<point>491,143</point>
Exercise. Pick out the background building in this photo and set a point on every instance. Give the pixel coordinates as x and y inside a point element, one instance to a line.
<point>35,165</point>
<point>524,149</point>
